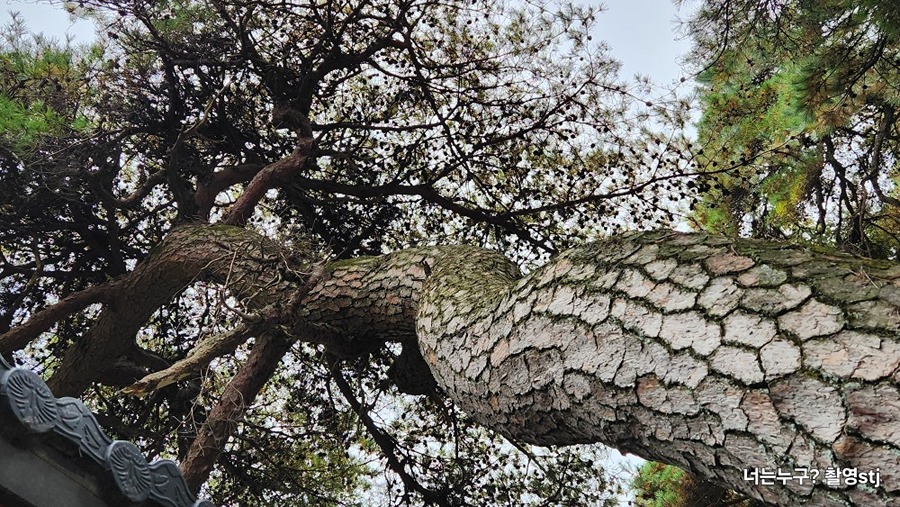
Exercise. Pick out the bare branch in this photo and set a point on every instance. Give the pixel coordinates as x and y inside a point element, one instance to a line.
<point>274,174</point>
<point>231,407</point>
<point>21,335</point>
<point>200,356</point>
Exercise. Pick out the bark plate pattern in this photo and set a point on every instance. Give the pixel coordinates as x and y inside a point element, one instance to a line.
<point>711,354</point>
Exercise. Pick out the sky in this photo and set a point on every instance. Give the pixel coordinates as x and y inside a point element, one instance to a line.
<point>642,33</point>
<point>52,20</point>
<point>644,36</point>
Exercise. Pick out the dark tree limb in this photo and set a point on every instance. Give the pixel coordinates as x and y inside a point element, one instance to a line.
<point>21,335</point>
<point>277,173</point>
<point>256,269</point>
<point>239,394</point>
<point>218,182</point>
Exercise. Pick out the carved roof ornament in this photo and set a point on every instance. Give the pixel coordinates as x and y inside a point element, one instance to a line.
<point>26,398</point>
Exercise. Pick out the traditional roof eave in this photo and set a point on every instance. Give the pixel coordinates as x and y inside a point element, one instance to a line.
<point>27,407</point>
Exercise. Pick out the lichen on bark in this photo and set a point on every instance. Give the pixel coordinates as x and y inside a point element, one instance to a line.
<point>613,343</point>
<point>711,354</point>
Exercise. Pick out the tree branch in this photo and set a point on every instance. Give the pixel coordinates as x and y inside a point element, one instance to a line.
<point>206,350</point>
<point>21,335</point>
<point>265,273</point>
<point>277,173</point>
<point>239,394</point>
<point>219,181</point>
<point>385,442</point>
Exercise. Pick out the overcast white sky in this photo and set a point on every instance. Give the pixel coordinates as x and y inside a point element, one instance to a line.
<point>644,36</point>
<point>642,33</point>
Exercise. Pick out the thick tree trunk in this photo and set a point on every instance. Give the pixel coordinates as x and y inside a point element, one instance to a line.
<point>714,355</point>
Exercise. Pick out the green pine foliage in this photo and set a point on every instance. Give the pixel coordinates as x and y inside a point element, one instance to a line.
<point>659,485</point>
<point>799,123</point>
<point>43,88</point>
<point>656,485</point>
